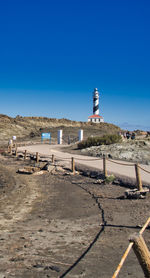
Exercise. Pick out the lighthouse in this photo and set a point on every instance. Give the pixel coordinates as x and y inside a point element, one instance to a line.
<point>95,118</point>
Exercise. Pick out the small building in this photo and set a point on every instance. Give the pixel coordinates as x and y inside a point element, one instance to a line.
<point>95,119</point>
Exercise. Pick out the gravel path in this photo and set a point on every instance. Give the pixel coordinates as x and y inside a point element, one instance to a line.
<point>127,171</point>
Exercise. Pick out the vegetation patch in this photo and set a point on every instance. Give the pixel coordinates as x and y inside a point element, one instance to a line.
<point>109,179</point>
<point>97,141</point>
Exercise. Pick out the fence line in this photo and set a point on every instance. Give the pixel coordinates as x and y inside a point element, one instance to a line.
<point>144,170</point>
<point>120,163</point>
<point>105,159</point>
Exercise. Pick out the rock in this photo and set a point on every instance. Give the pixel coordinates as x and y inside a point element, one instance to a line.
<point>59,169</point>
<point>28,170</point>
<point>135,194</point>
<point>136,151</point>
<point>99,181</point>
<point>48,167</point>
<point>117,182</point>
<point>38,266</point>
<point>54,268</point>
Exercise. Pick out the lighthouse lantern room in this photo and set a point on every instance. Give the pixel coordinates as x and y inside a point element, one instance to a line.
<point>95,118</point>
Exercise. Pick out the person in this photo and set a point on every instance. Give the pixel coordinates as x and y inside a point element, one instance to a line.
<point>128,135</point>
<point>133,136</point>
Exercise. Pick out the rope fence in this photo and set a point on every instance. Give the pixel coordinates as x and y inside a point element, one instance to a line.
<point>144,170</point>
<point>119,163</point>
<point>53,157</point>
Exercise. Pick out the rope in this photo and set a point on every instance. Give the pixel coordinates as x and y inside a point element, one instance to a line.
<point>45,155</point>
<point>64,158</point>
<point>128,250</point>
<point>144,170</point>
<point>88,159</point>
<point>78,158</point>
<point>124,164</point>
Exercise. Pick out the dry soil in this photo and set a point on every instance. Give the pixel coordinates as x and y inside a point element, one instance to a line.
<point>63,225</point>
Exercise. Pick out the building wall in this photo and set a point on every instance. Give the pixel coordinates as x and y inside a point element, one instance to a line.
<point>96,120</point>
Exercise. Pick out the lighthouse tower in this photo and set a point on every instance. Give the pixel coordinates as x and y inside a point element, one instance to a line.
<point>95,102</point>
<point>95,118</point>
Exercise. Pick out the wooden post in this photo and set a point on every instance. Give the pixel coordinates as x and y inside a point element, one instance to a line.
<point>138,178</point>
<point>25,154</point>
<point>10,148</point>
<point>53,159</point>
<point>142,253</point>
<point>37,157</point>
<point>104,166</point>
<point>73,165</point>
<point>16,152</point>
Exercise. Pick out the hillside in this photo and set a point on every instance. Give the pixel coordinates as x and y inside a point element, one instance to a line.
<point>31,127</point>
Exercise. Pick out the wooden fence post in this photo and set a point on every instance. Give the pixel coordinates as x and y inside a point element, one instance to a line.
<point>10,148</point>
<point>53,159</point>
<point>104,166</point>
<point>138,178</point>
<point>142,253</point>
<point>25,154</point>
<point>73,165</point>
<point>37,157</point>
<point>16,152</point>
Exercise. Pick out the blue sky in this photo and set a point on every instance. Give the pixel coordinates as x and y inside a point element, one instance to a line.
<point>54,52</point>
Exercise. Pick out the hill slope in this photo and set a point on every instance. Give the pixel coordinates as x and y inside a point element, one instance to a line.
<point>26,127</point>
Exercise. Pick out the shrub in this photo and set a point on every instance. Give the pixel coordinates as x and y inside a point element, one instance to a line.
<point>97,141</point>
<point>109,179</point>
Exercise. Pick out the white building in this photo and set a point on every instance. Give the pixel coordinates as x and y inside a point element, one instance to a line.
<point>95,118</point>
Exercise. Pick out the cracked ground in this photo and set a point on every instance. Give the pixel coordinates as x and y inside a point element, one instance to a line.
<point>58,225</point>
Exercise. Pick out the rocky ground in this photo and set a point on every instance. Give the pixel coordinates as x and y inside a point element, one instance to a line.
<point>129,150</point>
<point>63,225</point>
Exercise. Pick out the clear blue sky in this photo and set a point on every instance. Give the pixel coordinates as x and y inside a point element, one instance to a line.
<point>54,52</point>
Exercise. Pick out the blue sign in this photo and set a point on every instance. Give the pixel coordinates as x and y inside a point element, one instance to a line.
<point>45,136</point>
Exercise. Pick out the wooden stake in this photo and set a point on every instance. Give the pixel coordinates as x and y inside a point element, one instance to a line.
<point>128,250</point>
<point>142,253</point>
<point>138,178</point>
<point>25,154</point>
<point>37,157</point>
<point>53,159</point>
<point>10,148</point>
<point>16,152</point>
<point>73,165</point>
<point>104,166</point>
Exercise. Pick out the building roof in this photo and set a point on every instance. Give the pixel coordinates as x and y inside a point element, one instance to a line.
<point>95,117</point>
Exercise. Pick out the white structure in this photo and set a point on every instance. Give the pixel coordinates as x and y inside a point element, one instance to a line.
<point>80,134</point>
<point>95,102</point>
<point>59,136</point>
<point>95,118</point>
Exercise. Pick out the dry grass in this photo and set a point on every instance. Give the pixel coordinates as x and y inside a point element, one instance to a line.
<point>23,126</point>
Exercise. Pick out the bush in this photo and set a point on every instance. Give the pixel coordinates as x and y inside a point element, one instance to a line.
<point>97,141</point>
<point>109,179</point>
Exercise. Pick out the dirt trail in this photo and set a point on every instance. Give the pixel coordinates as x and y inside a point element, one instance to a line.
<point>65,226</point>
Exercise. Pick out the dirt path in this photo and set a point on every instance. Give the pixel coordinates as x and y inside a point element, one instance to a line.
<point>127,171</point>
<point>65,226</point>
